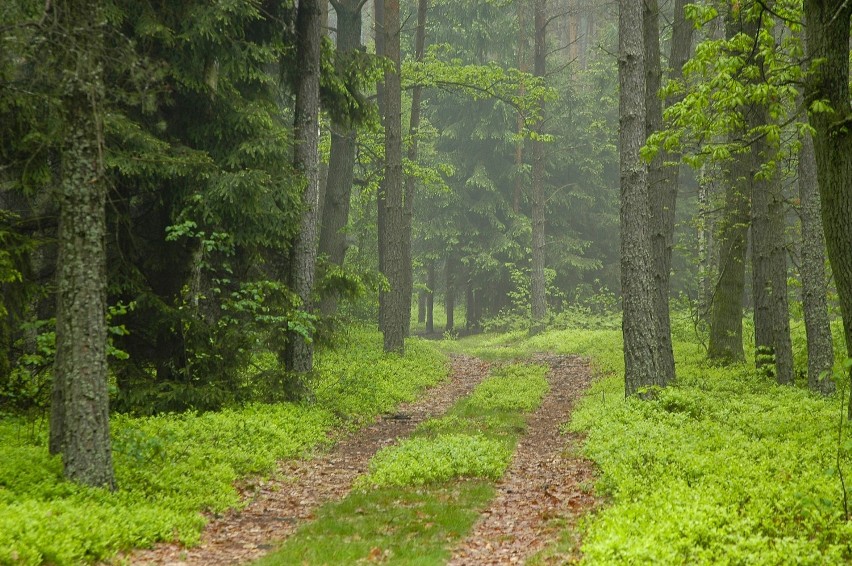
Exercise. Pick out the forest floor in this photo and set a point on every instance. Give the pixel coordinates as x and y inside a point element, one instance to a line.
<point>547,487</point>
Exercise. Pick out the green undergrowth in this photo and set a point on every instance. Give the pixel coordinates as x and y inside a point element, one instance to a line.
<point>723,467</point>
<point>169,468</point>
<point>424,493</point>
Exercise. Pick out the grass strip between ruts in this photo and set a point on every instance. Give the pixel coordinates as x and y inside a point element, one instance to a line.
<point>422,495</point>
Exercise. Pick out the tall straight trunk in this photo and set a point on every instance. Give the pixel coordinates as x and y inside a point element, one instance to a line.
<point>430,298</point>
<point>299,353</point>
<point>341,166</point>
<point>79,425</point>
<point>828,41</point>
<point>641,344</point>
<point>662,191</point>
<point>769,273</point>
<point>381,205</point>
<point>662,178</point>
<point>397,300</point>
<point>519,120</point>
<point>421,307</point>
<point>769,254</point>
<point>410,181</point>
<point>726,309</point>
<point>450,292</point>
<point>706,187</point>
<point>814,288</point>
<point>538,292</point>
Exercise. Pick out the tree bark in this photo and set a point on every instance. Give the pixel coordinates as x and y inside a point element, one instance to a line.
<point>814,288</point>
<point>381,205</point>
<point>828,41</point>
<point>641,344</point>
<point>662,178</point>
<point>538,292</point>
<point>450,292</point>
<point>726,310</point>
<point>298,355</point>
<point>341,166</point>
<point>430,298</point>
<point>519,121</point>
<point>410,181</point>
<point>395,300</point>
<point>79,426</point>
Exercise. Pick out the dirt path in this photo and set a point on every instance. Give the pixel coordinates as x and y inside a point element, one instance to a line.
<point>278,506</point>
<point>547,486</point>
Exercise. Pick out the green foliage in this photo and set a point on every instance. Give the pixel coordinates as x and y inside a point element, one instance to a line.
<point>725,466</point>
<point>171,467</point>
<point>405,526</point>
<point>474,439</point>
<point>418,461</point>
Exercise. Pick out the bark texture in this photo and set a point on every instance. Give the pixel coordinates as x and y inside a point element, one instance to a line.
<point>396,302</point>
<point>410,181</point>
<point>538,292</point>
<point>814,288</point>
<point>641,343</point>
<point>341,161</point>
<point>663,178</point>
<point>430,298</point>
<point>828,41</point>
<point>299,352</point>
<point>726,311</point>
<point>79,425</point>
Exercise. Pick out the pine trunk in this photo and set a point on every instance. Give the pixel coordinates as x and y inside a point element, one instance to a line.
<point>79,426</point>
<point>828,41</point>
<point>538,292</point>
<point>397,302</point>
<point>410,181</point>
<point>299,353</point>
<point>814,288</point>
<point>430,298</point>
<point>641,344</point>
<point>341,165</point>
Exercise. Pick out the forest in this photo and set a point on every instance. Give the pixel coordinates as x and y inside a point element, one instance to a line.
<point>425,282</point>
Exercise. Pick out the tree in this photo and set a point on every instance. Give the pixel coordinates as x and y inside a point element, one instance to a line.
<point>812,269</point>
<point>341,166</point>
<point>830,114</point>
<point>538,297</point>
<point>396,306</point>
<point>79,424</point>
<point>662,175</point>
<point>410,181</point>
<point>299,352</point>
<point>641,343</point>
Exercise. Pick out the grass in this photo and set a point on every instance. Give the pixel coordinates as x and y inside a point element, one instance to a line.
<point>391,525</point>
<point>171,467</point>
<point>722,467</point>
<point>423,494</point>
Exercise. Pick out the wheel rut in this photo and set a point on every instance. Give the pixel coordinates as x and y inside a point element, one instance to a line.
<point>276,507</point>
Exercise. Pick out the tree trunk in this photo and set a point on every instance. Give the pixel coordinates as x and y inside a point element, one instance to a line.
<point>430,298</point>
<point>662,178</point>
<point>519,121</point>
<point>410,181</point>
<point>397,301</point>
<point>726,309</point>
<point>450,292</point>
<point>79,426</point>
<point>421,307</point>
<point>641,344</point>
<point>769,254</point>
<point>381,205</point>
<point>828,41</point>
<point>814,288</point>
<point>298,355</point>
<point>341,162</point>
<point>726,314</point>
<point>538,291</point>
<point>662,192</point>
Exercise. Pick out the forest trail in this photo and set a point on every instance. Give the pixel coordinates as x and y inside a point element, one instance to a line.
<point>546,487</point>
<point>548,484</point>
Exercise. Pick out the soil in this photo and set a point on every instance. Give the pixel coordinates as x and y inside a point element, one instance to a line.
<point>544,491</point>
